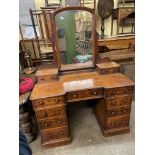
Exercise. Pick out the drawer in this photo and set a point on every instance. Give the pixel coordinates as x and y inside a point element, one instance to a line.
<point>50,112</point>
<point>41,79</point>
<point>113,112</point>
<point>56,133</point>
<point>57,121</point>
<point>118,91</point>
<point>117,122</point>
<point>118,101</point>
<point>108,70</point>
<point>48,102</point>
<point>84,94</point>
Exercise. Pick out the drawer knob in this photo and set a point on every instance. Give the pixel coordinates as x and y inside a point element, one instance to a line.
<point>56,100</point>
<point>123,121</point>
<point>126,100</point>
<point>113,102</point>
<point>49,135</point>
<point>124,110</point>
<point>44,114</point>
<point>42,79</point>
<point>74,95</point>
<point>46,124</point>
<point>112,112</point>
<point>59,121</point>
<point>112,123</point>
<point>42,103</point>
<point>60,133</point>
<point>126,90</point>
<point>58,111</point>
<point>94,93</point>
<point>113,92</point>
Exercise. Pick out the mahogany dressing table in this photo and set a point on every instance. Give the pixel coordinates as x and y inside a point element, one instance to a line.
<point>72,81</point>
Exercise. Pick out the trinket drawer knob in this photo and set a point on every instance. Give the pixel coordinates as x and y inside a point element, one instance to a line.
<point>44,114</point>
<point>124,110</point>
<point>56,100</point>
<point>42,103</point>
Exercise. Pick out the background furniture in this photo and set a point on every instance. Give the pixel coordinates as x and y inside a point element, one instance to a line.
<point>44,42</point>
<point>125,16</point>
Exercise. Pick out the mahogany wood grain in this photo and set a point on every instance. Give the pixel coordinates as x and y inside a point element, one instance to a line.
<point>56,133</point>
<point>50,112</point>
<point>84,81</point>
<point>53,122</point>
<point>48,102</point>
<point>108,68</point>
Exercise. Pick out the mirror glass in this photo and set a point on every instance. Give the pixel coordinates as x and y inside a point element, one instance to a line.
<point>74,34</point>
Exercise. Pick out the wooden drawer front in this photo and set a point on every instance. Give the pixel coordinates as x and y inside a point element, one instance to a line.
<point>118,91</point>
<point>117,122</point>
<point>118,111</point>
<point>84,94</point>
<point>53,122</point>
<point>118,101</point>
<point>53,134</point>
<point>47,78</point>
<point>108,70</point>
<point>50,112</point>
<point>48,102</point>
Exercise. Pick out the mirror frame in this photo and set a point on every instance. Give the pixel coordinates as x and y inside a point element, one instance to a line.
<point>93,30</point>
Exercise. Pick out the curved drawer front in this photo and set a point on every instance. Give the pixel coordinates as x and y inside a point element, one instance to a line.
<point>53,122</point>
<point>84,94</point>
<point>108,70</point>
<point>53,134</point>
<point>118,101</point>
<point>48,102</point>
<point>118,91</point>
<point>112,112</point>
<point>50,112</point>
<point>47,78</point>
<point>117,122</point>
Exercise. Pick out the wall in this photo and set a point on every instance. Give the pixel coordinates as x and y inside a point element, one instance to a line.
<point>40,3</point>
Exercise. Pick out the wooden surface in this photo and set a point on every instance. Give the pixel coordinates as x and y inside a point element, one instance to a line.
<point>116,42</point>
<point>81,81</point>
<point>118,55</point>
<point>107,65</point>
<point>53,71</point>
<point>76,66</point>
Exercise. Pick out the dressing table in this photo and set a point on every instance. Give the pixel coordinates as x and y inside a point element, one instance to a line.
<point>67,82</point>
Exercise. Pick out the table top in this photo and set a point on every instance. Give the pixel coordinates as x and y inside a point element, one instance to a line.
<point>82,81</point>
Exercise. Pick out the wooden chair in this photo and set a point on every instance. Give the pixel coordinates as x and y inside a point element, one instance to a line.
<point>44,43</point>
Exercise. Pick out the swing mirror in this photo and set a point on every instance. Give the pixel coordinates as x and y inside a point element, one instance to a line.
<point>74,36</point>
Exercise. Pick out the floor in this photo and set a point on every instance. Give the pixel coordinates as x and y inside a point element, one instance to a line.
<point>87,138</point>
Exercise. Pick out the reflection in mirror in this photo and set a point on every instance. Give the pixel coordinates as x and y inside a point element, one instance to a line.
<point>74,31</point>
